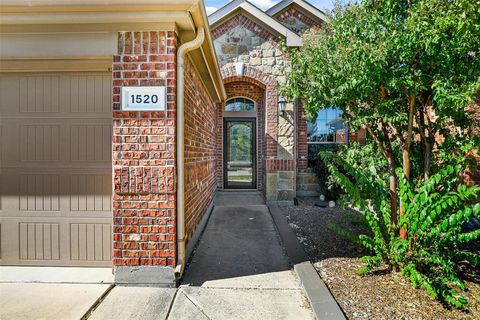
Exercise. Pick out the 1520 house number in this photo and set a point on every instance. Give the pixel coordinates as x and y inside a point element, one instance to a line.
<point>143,98</point>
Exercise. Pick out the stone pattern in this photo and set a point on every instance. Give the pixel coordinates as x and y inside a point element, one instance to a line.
<point>200,144</point>
<point>144,198</point>
<point>242,40</point>
<point>307,184</point>
<point>296,21</point>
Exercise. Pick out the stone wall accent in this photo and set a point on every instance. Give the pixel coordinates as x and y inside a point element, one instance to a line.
<point>242,40</point>
<point>296,21</point>
<point>307,184</point>
<point>200,144</point>
<point>144,156</point>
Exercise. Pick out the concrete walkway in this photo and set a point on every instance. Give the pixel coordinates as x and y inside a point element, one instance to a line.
<point>240,270</point>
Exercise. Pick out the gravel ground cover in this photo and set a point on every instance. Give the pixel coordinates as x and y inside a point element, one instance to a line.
<point>382,295</point>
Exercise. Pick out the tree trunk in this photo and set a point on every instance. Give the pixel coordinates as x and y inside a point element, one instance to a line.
<point>393,189</point>
<point>427,143</point>
<point>406,154</point>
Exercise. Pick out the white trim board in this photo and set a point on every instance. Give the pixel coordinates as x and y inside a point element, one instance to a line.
<point>302,4</point>
<point>269,22</point>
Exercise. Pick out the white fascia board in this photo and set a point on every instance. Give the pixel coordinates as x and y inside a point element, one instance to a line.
<point>91,17</point>
<point>292,39</point>
<point>303,4</point>
<point>40,3</point>
<point>223,11</point>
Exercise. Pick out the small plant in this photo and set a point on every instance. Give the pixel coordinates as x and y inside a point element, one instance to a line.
<point>435,211</point>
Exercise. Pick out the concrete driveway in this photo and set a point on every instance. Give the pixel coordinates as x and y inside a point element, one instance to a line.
<point>48,300</point>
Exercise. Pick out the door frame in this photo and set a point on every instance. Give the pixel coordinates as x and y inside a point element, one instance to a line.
<point>254,151</point>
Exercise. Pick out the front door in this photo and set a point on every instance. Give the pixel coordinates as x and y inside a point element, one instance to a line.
<point>239,153</point>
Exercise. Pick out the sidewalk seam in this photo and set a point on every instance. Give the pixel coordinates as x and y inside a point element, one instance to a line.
<point>97,303</point>
<point>170,307</point>
<point>196,305</point>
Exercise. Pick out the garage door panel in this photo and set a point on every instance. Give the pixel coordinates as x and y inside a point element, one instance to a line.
<point>55,93</point>
<point>90,193</point>
<point>39,142</point>
<point>47,241</point>
<point>56,184</point>
<point>90,142</point>
<point>39,192</point>
<point>52,194</point>
<point>39,241</point>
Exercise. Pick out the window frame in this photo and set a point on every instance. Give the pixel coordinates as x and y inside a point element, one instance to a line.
<point>328,142</point>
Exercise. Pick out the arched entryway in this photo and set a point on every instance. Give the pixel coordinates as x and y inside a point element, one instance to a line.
<point>242,118</point>
<point>240,144</point>
<point>276,162</point>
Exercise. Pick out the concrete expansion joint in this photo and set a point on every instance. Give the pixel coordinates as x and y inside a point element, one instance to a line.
<point>97,303</point>
<point>170,306</point>
<point>195,303</point>
<point>252,289</point>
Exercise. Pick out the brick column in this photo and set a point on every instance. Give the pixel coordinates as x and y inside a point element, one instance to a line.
<point>302,144</point>
<point>144,220</point>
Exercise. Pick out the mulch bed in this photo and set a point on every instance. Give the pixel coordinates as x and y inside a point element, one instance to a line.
<point>382,295</point>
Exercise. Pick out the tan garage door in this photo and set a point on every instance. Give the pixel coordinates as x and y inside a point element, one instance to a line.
<point>55,144</point>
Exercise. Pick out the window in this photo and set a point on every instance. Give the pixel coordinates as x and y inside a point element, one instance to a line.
<point>239,105</point>
<point>327,128</point>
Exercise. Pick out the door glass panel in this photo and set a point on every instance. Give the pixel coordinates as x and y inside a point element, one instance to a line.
<point>240,158</point>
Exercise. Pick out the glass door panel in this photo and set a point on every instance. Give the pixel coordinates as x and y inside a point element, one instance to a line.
<point>239,154</point>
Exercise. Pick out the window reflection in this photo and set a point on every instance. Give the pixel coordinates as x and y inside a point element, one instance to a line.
<point>239,104</point>
<point>327,128</point>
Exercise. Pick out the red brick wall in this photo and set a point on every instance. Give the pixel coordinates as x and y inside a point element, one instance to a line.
<point>144,154</point>
<point>200,145</point>
<point>242,88</point>
<point>302,145</point>
<point>283,16</point>
<point>242,20</point>
<point>359,136</point>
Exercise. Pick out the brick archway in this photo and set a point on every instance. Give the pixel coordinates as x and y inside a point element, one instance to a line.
<point>268,83</point>
<point>260,87</point>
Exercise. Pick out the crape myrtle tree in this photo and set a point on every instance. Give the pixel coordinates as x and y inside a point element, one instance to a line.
<point>404,71</point>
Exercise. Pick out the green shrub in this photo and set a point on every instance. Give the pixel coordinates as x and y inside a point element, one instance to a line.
<point>435,211</point>
<point>321,171</point>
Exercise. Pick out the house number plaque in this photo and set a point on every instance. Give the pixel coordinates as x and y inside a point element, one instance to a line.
<point>143,98</point>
